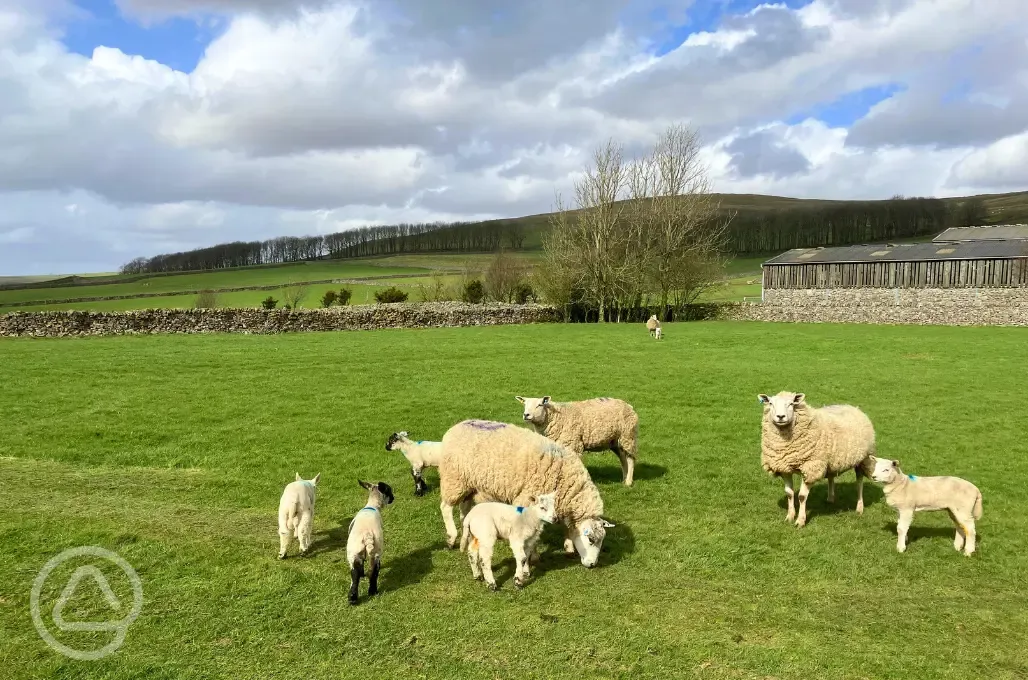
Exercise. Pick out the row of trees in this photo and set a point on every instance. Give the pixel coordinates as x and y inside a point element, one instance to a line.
<point>646,233</point>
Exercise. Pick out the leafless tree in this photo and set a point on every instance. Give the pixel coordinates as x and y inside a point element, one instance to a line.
<point>294,295</point>
<point>503,276</point>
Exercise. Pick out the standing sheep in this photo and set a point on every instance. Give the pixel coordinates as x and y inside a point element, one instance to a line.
<point>590,425</point>
<point>910,494</point>
<point>296,514</point>
<point>816,442</point>
<point>489,461</point>
<point>419,454</point>
<point>521,526</point>
<point>365,541</point>
<point>653,325</point>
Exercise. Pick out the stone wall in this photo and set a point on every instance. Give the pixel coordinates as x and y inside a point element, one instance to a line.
<point>263,321</point>
<point>922,306</point>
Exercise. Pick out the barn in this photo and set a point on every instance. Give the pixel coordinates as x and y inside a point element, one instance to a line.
<point>964,257</point>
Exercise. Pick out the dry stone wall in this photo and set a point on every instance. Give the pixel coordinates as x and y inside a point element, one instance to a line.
<point>263,321</point>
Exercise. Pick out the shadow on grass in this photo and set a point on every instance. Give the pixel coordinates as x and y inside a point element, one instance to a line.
<point>845,498</point>
<point>915,533</point>
<point>331,539</point>
<point>409,570</point>
<point>609,474</point>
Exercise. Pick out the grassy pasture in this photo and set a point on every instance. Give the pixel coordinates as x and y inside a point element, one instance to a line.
<point>173,451</point>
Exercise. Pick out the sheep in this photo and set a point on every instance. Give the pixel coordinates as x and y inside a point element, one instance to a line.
<point>490,461</point>
<point>657,334</point>
<point>816,442</point>
<point>909,494</point>
<point>521,526</point>
<point>590,425</point>
<point>420,455</point>
<point>653,326</point>
<point>296,514</point>
<point>365,540</point>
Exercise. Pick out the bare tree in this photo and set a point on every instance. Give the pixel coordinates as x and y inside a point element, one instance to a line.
<point>503,276</point>
<point>294,295</point>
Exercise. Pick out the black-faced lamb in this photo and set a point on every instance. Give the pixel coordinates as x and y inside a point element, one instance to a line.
<point>521,526</point>
<point>365,542</point>
<point>909,494</point>
<point>816,442</point>
<point>592,425</point>
<point>296,514</point>
<point>489,461</point>
<point>420,455</point>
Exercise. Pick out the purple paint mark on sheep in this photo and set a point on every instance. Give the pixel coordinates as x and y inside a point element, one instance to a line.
<point>485,425</point>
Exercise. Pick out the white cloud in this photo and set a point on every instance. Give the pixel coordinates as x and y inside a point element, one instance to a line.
<point>308,117</point>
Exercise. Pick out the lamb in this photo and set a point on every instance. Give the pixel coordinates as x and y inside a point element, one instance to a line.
<point>590,425</point>
<point>296,514</point>
<point>490,461</point>
<point>653,326</point>
<point>816,442</point>
<point>521,526</point>
<point>909,494</point>
<point>365,542</point>
<point>420,455</point>
<point>657,334</point>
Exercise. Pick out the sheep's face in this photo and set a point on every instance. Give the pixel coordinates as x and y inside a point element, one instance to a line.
<point>780,410</point>
<point>535,409</point>
<point>588,539</point>
<point>885,470</point>
<point>393,443</point>
<point>545,506</point>
<point>380,489</point>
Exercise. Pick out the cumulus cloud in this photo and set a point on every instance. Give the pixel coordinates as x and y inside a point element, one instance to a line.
<point>310,116</point>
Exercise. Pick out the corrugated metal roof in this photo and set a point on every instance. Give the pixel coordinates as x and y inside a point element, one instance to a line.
<point>989,233</point>
<point>966,250</point>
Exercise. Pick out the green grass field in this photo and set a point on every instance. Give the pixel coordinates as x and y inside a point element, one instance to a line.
<point>173,451</point>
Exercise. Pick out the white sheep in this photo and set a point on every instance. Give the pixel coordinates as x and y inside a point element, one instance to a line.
<point>365,542</point>
<point>591,425</point>
<point>657,334</point>
<point>420,455</point>
<point>653,325</point>
<point>489,461</point>
<point>909,494</point>
<point>296,514</point>
<point>521,526</point>
<point>816,442</point>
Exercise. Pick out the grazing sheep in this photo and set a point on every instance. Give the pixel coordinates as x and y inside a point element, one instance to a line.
<point>489,461</point>
<point>521,526</point>
<point>419,454</point>
<point>909,494</point>
<point>590,425</point>
<point>653,325</point>
<point>365,542</point>
<point>816,442</point>
<point>296,514</point>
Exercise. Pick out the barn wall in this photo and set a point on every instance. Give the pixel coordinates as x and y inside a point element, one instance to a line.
<point>1007,273</point>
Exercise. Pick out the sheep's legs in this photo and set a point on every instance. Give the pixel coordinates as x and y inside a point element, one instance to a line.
<point>473,559</point>
<point>419,482</point>
<point>356,572</point>
<point>906,517</point>
<point>860,491</point>
<point>801,518</point>
<point>969,535</point>
<point>521,562</point>
<point>831,488</point>
<point>790,515</point>
<point>569,544</point>
<point>303,532</point>
<point>373,578</point>
<point>485,557</point>
<point>451,528</point>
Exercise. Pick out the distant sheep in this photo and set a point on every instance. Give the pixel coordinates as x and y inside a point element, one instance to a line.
<point>590,425</point>
<point>420,455</point>
<point>658,334</point>
<point>488,461</point>
<point>909,494</point>
<point>365,542</point>
<point>296,514</point>
<point>816,442</point>
<point>521,526</point>
<point>653,326</point>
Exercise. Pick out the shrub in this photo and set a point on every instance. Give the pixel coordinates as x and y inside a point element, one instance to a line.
<point>523,293</point>
<point>206,299</point>
<point>344,296</point>
<point>269,302</point>
<point>294,295</point>
<point>391,294</point>
<point>474,292</point>
<point>329,298</point>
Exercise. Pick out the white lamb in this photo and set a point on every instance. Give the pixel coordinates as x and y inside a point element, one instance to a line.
<point>521,526</point>
<point>909,494</point>
<point>365,542</point>
<point>591,425</point>
<point>816,442</point>
<point>489,461</point>
<point>658,333</point>
<point>296,514</point>
<point>420,455</point>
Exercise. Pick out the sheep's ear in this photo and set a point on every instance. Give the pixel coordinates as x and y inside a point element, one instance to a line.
<point>532,500</point>
<point>298,477</point>
<point>895,463</point>
<point>546,400</point>
<point>316,478</point>
<point>763,399</point>
<point>799,398</point>
<point>606,524</point>
<point>521,399</point>
<point>402,434</point>
<point>364,484</point>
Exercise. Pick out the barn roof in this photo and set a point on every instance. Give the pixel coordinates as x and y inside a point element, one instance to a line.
<point>997,232</point>
<point>906,252</point>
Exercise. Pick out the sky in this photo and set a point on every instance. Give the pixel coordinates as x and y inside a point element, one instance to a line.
<point>135,127</point>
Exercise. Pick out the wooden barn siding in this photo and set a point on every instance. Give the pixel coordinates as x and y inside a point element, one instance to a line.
<point>992,273</point>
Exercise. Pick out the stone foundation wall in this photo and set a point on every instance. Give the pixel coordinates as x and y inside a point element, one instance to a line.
<point>924,306</point>
<point>263,321</point>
